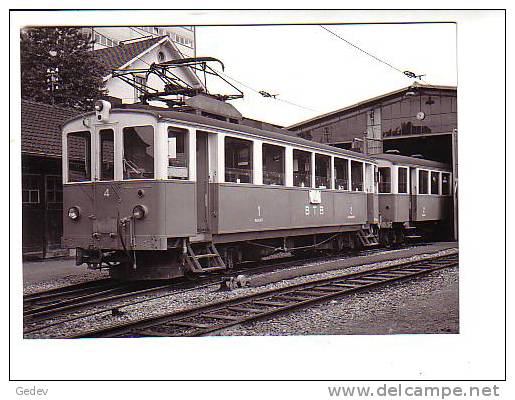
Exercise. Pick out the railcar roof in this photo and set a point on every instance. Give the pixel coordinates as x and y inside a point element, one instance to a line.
<point>201,120</point>
<point>411,161</point>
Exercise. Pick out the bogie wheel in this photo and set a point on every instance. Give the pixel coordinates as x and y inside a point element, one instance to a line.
<point>228,258</point>
<point>384,238</point>
<point>189,275</point>
<point>399,237</point>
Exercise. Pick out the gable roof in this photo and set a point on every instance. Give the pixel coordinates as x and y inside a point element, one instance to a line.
<point>367,102</point>
<point>41,128</point>
<point>117,56</point>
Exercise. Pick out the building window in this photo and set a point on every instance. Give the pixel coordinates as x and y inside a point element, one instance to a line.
<point>30,189</point>
<point>138,152</point>
<point>322,171</point>
<point>301,168</point>
<point>54,189</point>
<point>402,185</point>
<point>446,184</point>
<point>273,164</point>
<point>341,174</point>
<point>79,156</point>
<point>356,171</point>
<point>106,155</point>
<point>160,56</point>
<point>177,153</point>
<point>384,179</point>
<point>435,182</point>
<point>238,160</point>
<point>422,182</point>
<point>140,83</point>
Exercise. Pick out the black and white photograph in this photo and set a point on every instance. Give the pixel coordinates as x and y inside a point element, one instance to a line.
<point>243,178</point>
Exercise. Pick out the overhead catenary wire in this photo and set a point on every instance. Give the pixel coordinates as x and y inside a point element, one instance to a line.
<point>228,76</point>
<point>408,74</point>
<point>275,97</point>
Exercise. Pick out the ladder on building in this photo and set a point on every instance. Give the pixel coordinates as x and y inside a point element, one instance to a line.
<point>367,238</point>
<point>203,257</point>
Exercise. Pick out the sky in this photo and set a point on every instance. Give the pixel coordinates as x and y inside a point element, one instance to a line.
<point>308,66</point>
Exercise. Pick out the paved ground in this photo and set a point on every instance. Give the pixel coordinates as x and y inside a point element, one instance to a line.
<point>55,269</point>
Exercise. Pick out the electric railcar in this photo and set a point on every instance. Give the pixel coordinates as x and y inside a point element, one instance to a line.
<point>152,193</point>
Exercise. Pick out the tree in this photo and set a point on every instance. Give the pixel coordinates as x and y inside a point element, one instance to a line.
<point>64,55</point>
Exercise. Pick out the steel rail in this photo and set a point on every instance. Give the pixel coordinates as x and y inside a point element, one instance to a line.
<point>35,313</point>
<point>76,288</point>
<point>217,316</point>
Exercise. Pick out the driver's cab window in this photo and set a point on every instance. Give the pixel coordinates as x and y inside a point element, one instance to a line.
<point>138,152</point>
<point>177,153</point>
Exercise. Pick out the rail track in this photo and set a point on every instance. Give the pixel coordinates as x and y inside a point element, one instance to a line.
<point>43,306</point>
<point>217,316</point>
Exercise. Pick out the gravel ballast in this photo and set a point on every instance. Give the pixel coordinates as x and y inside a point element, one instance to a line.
<point>425,305</point>
<point>210,294</point>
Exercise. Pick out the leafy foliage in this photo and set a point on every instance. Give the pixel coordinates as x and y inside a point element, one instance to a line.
<point>79,71</point>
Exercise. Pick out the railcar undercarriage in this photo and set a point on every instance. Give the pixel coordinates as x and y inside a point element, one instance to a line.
<point>191,259</point>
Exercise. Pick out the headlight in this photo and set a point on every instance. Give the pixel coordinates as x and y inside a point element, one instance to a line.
<point>99,105</point>
<point>74,213</point>
<point>139,212</point>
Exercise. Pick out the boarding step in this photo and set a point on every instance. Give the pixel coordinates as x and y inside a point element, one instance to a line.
<point>367,238</point>
<point>411,232</point>
<point>203,257</point>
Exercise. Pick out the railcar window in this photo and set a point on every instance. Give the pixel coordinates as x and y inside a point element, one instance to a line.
<point>341,173</point>
<point>446,183</point>
<point>422,182</point>
<point>238,160</point>
<point>402,185</point>
<point>301,168</point>
<point>273,164</point>
<point>435,182</point>
<point>79,156</point>
<point>177,153</point>
<point>384,180</point>
<point>356,172</point>
<point>322,171</point>
<point>138,152</point>
<point>106,154</point>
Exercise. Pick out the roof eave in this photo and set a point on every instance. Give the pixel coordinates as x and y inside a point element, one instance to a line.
<point>372,100</point>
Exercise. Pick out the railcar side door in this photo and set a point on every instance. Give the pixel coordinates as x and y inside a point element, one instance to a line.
<point>413,194</point>
<point>202,183</point>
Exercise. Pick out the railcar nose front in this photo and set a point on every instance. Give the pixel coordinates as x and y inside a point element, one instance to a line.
<point>115,216</point>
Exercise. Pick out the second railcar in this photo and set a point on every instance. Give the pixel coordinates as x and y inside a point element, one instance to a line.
<point>415,197</point>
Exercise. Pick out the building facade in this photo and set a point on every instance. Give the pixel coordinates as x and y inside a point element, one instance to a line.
<point>419,119</point>
<point>182,36</point>
<point>140,54</point>
<point>42,190</point>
